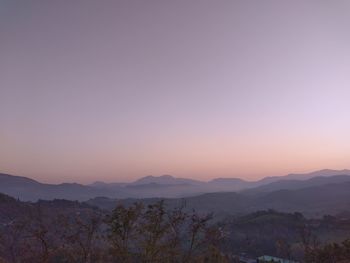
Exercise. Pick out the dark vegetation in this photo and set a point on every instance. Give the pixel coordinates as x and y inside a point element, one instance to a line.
<point>286,235</point>
<point>68,231</point>
<point>65,231</point>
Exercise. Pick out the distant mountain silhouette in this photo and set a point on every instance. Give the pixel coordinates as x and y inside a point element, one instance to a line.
<point>230,184</point>
<point>166,180</point>
<point>313,201</point>
<point>165,186</point>
<point>299,184</point>
<point>305,176</point>
<point>30,190</point>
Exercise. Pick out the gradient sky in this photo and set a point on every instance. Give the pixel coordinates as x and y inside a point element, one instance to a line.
<point>116,90</point>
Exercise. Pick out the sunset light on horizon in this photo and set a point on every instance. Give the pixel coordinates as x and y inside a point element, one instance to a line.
<point>116,90</point>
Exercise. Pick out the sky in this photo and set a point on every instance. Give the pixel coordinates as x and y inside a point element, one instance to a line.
<point>117,90</point>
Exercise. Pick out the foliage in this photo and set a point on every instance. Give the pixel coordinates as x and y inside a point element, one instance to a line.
<point>63,231</point>
<point>330,253</point>
<point>60,232</point>
<point>154,234</point>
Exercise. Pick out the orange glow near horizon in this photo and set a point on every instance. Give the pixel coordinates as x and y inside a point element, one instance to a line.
<point>202,159</point>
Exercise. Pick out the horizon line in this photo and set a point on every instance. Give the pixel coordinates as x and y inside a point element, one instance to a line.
<point>175,177</point>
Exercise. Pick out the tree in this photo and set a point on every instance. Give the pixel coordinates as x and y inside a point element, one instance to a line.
<point>122,231</point>
<point>81,235</point>
<point>156,234</point>
<point>330,253</point>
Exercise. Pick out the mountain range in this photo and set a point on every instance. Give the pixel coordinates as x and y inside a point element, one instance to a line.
<point>165,186</point>
<point>325,197</point>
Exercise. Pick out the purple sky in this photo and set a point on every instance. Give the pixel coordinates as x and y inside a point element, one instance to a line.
<point>115,90</point>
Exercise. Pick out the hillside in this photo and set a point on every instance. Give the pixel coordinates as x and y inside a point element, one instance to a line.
<point>69,228</point>
<point>30,190</point>
<point>313,201</point>
<point>289,184</point>
<point>165,186</point>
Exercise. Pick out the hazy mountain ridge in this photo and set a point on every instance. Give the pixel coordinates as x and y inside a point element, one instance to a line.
<point>305,176</point>
<point>30,190</point>
<point>165,186</point>
<point>314,201</point>
<point>298,184</point>
<point>166,180</point>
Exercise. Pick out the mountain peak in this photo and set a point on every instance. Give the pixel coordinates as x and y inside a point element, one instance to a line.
<point>167,176</point>
<point>165,179</point>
